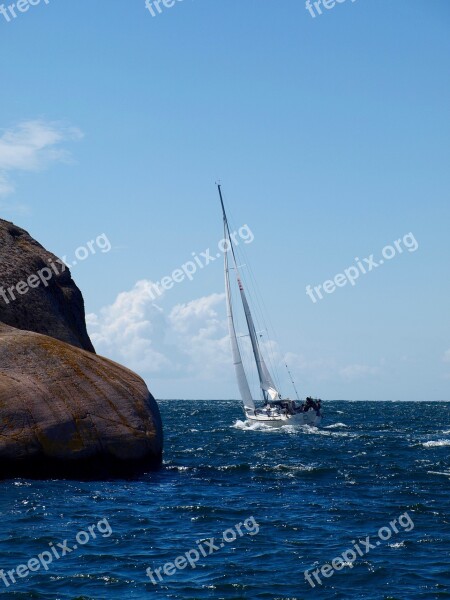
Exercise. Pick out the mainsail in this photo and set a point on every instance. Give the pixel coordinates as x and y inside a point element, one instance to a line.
<point>266,382</point>
<point>244,388</point>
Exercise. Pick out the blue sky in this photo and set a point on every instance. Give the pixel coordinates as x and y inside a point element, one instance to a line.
<point>330,136</point>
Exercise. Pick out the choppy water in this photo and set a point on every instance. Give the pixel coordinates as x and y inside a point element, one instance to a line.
<point>312,492</point>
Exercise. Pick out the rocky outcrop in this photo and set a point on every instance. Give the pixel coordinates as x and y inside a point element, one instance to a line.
<point>64,411</point>
<point>55,306</point>
<point>68,412</point>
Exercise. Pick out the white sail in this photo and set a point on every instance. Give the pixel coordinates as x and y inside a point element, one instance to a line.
<point>266,381</point>
<point>273,394</point>
<point>244,388</point>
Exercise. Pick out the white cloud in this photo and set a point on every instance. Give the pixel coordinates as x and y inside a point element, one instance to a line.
<point>31,147</point>
<point>201,336</point>
<point>188,341</point>
<point>129,329</point>
<point>197,314</point>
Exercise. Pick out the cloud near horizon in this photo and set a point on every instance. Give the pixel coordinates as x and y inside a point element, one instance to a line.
<point>32,146</point>
<point>190,341</point>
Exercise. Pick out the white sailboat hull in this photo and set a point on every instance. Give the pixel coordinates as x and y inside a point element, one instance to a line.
<point>310,418</point>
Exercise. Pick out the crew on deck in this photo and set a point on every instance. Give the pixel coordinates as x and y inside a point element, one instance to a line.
<point>310,403</point>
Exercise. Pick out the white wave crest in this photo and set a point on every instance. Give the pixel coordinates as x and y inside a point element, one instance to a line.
<point>311,430</point>
<point>249,426</point>
<point>252,426</point>
<point>436,443</point>
<point>397,545</point>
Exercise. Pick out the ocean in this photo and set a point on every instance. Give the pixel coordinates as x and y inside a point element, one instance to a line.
<point>362,502</point>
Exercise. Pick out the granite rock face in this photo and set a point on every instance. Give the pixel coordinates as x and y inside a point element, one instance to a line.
<point>70,412</point>
<point>55,306</point>
<point>64,411</point>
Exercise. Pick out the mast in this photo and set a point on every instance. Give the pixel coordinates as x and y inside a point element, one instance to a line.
<point>265,379</point>
<point>241,376</point>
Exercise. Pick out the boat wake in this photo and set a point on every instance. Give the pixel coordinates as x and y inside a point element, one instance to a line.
<point>252,426</point>
<point>305,429</point>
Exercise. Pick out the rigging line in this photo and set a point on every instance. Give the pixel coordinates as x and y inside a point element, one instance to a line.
<point>293,382</point>
<point>241,251</point>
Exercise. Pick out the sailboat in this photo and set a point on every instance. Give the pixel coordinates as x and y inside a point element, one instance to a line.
<point>274,410</point>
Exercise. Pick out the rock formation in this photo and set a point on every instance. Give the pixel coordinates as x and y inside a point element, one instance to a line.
<point>64,411</point>
<point>54,307</point>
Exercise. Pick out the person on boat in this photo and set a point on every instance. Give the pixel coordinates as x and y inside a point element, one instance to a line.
<point>311,403</point>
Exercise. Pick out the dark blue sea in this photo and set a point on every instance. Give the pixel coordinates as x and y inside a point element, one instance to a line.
<point>378,472</point>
